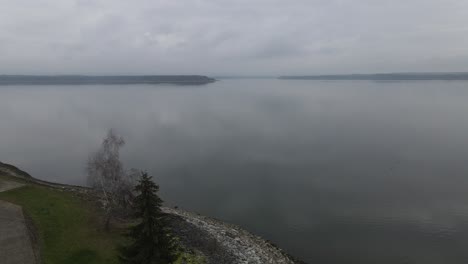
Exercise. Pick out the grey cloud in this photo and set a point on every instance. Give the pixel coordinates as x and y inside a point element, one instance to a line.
<point>232,37</point>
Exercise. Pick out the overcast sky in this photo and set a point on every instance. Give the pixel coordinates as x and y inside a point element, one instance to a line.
<point>218,37</point>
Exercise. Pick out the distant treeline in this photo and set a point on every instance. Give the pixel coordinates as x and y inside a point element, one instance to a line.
<point>385,76</point>
<point>83,80</point>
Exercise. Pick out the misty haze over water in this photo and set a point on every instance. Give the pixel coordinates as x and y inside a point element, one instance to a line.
<point>332,171</point>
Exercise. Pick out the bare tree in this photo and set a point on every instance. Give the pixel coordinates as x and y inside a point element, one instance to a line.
<point>107,174</point>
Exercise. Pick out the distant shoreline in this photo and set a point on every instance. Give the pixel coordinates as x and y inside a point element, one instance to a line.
<point>384,77</point>
<point>107,80</point>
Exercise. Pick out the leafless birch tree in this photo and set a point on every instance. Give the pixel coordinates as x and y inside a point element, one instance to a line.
<point>106,174</point>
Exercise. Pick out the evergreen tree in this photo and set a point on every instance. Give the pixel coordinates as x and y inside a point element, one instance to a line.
<point>151,242</point>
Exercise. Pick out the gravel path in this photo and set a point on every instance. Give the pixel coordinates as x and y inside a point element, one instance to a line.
<point>15,242</point>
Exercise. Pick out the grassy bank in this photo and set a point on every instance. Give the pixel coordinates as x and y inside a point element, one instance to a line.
<point>69,228</point>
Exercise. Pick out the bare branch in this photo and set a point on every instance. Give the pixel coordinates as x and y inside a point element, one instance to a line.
<point>106,173</point>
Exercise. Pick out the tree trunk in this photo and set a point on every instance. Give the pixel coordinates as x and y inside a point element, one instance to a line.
<point>107,220</point>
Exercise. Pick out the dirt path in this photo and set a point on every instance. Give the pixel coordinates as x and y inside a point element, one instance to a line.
<point>8,185</point>
<point>15,242</point>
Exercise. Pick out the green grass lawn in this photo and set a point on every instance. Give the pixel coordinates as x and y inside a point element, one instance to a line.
<point>69,228</point>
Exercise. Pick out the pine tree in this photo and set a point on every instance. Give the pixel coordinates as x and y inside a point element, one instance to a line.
<point>151,242</point>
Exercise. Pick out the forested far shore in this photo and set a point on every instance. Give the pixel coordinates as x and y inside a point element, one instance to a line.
<point>109,80</point>
<point>384,76</point>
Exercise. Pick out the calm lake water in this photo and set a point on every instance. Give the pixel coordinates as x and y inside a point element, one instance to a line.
<point>332,171</point>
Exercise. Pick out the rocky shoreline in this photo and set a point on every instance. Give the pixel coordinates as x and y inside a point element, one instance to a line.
<point>218,241</point>
<point>227,243</point>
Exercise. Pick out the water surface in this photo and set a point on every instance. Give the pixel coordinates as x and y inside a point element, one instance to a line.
<point>332,171</point>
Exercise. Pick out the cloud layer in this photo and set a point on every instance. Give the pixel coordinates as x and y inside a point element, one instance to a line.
<point>218,37</point>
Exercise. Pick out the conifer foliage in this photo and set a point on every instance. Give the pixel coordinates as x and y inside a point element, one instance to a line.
<point>151,242</point>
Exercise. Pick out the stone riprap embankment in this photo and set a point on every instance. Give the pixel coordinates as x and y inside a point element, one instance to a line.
<point>240,246</point>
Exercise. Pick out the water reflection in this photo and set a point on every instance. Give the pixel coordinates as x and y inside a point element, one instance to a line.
<point>335,172</point>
